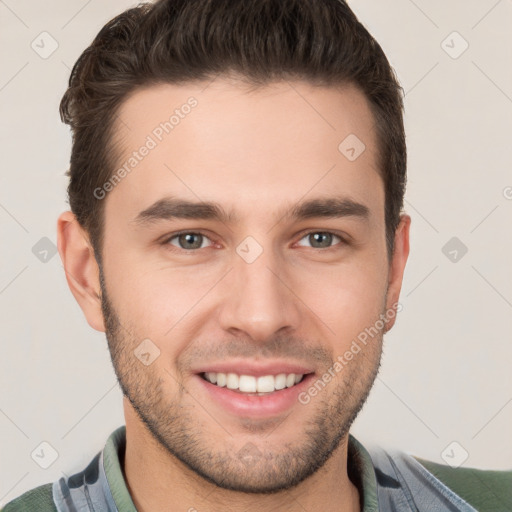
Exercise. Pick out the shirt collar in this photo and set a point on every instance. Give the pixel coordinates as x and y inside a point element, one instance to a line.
<point>362,474</point>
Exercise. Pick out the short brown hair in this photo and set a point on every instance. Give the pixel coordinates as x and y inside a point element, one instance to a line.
<point>180,41</point>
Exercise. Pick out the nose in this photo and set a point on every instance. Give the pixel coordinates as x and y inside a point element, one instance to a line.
<point>260,300</point>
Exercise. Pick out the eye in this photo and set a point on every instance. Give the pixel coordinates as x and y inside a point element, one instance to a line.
<point>321,239</point>
<point>191,240</point>
<point>188,240</point>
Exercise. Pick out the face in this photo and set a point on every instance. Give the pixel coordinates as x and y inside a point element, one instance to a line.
<point>278,274</point>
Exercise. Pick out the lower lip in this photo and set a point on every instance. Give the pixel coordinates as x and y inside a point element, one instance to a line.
<point>253,406</point>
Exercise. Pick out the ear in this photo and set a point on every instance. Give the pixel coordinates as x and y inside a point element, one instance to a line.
<point>397,266</point>
<point>81,268</point>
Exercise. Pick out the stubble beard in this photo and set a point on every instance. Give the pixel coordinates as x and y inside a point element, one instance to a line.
<point>257,466</point>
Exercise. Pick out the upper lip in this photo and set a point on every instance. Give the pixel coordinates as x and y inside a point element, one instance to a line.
<point>256,369</point>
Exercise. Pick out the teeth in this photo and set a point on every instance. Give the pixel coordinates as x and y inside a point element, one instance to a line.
<point>251,384</point>
<point>280,381</point>
<point>248,384</point>
<point>232,381</point>
<point>212,377</point>
<point>265,384</point>
<point>221,379</point>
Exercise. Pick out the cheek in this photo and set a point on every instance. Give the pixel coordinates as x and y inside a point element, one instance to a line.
<point>157,300</point>
<point>346,298</point>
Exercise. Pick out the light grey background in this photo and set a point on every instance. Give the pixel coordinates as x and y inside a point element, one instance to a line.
<point>446,373</point>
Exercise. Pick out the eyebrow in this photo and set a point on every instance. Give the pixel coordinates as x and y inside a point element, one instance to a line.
<point>169,208</point>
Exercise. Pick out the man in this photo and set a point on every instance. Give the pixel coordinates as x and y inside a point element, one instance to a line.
<point>236,229</point>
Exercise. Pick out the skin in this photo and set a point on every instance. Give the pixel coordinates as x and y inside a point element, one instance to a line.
<point>257,153</point>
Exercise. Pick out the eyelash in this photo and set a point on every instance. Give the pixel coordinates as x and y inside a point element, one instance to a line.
<point>167,240</point>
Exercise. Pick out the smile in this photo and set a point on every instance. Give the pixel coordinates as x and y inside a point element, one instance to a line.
<point>250,384</point>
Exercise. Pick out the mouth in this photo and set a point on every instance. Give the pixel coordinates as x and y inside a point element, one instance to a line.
<point>253,385</point>
<point>260,396</point>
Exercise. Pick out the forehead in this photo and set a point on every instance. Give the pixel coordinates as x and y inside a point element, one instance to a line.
<point>221,141</point>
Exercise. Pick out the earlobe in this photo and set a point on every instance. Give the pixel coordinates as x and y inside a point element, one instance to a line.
<point>397,266</point>
<point>81,268</point>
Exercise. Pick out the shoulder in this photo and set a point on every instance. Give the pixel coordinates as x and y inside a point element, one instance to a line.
<point>39,498</point>
<point>486,490</point>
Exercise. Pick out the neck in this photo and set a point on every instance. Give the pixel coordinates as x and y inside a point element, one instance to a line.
<point>157,481</point>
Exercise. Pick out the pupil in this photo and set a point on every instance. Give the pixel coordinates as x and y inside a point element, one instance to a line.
<point>318,237</point>
<point>189,240</point>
